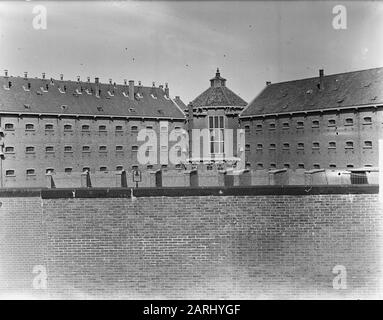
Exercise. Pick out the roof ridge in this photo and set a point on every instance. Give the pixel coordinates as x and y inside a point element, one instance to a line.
<point>226,97</point>
<point>325,76</point>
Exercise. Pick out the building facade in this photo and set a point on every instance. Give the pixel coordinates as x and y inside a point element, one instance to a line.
<point>331,121</point>
<point>50,125</point>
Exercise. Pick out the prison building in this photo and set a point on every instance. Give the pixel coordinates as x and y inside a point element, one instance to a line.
<point>329,121</point>
<point>218,107</point>
<point>72,126</point>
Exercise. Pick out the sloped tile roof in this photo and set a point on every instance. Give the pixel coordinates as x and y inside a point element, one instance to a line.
<point>152,101</point>
<point>357,88</point>
<point>218,96</point>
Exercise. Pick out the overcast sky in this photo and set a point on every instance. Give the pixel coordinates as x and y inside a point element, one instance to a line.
<point>184,42</point>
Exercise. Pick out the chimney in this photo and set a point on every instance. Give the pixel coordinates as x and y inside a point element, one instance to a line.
<point>61,77</point>
<point>88,79</point>
<point>321,79</point>
<point>25,75</point>
<point>125,82</point>
<point>5,73</point>
<point>190,127</point>
<point>166,90</point>
<point>131,90</point>
<point>43,75</point>
<point>97,87</point>
<point>110,81</point>
<point>78,78</point>
<point>268,83</point>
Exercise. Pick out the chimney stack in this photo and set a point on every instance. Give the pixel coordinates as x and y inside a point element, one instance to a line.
<point>131,90</point>
<point>78,78</point>
<point>268,83</point>
<point>43,75</point>
<point>6,73</point>
<point>25,75</point>
<point>88,78</point>
<point>166,90</point>
<point>125,82</point>
<point>61,77</point>
<point>110,81</point>
<point>321,79</point>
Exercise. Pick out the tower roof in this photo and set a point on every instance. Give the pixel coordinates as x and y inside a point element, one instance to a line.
<point>218,94</point>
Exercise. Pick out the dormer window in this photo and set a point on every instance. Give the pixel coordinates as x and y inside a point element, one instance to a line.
<point>28,88</point>
<point>62,90</point>
<point>78,91</point>
<point>44,89</point>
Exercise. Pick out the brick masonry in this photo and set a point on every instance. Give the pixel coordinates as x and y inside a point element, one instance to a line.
<point>278,243</point>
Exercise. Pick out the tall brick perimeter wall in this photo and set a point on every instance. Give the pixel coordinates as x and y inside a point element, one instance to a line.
<point>199,245</point>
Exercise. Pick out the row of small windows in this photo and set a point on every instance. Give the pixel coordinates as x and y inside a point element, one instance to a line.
<point>32,172</point>
<point>314,124</point>
<point>48,149</point>
<point>315,145</point>
<point>69,127</point>
<point>300,166</point>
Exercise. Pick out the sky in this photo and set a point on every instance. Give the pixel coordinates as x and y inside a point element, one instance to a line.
<point>184,42</point>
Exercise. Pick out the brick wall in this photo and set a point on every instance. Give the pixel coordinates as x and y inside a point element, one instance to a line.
<point>202,243</point>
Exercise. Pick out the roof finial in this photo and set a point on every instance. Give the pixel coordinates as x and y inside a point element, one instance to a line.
<point>217,74</point>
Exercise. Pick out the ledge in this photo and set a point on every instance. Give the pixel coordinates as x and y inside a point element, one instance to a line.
<point>72,193</point>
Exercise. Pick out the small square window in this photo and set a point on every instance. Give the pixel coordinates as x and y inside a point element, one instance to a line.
<point>367,120</point>
<point>331,122</point>
<point>102,128</point>
<point>9,127</point>
<point>49,127</point>
<point>286,146</point>
<point>30,149</point>
<point>85,127</point>
<point>273,165</point>
<point>285,125</point>
<point>272,146</point>
<point>67,128</point>
<point>300,125</point>
<point>119,168</point>
<point>134,148</point>
<point>68,149</point>
<point>349,122</point>
<point>286,165</point>
<point>68,170</point>
<point>30,172</point>
<point>247,147</point>
<point>272,126</point>
<point>118,128</point>
<point>102,148</point>
<point>10,173</point>
<point>134,129</point>
<point>247,128</point>
<point>259,127</point>
<point>29,127</point>
<point>103,169</point>
<point>9,149</point>
<point>49,149</point>
<point>332,145</point>
<point>316,145</point>
<point>315,124</point>
<point>49,170</point>
<point>367,145</point>
<point>119,148</point>
<point>300,146</point>
<point>259,146</point>
<point>316,166</point>
<point>301,165</point>
<point>85,148</point>
<point>349,145</point>
<point>259,165</point>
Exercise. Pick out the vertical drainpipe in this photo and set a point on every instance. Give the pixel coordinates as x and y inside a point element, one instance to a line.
<point>190,128</point>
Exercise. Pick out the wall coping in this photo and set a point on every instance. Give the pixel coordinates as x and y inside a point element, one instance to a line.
<point>70,193</point>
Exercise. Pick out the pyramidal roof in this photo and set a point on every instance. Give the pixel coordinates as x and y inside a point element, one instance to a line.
<point>218,95</point>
